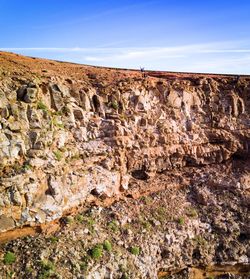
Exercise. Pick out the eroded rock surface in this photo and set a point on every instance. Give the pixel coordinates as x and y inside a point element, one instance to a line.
<point>73,135</point>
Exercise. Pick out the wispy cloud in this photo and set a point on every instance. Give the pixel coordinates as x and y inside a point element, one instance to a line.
<point>216,56</point>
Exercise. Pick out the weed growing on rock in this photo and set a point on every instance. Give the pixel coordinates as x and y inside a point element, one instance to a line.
<point>9,258</point>
<point>42,106</point>
<point>10,274</point>
<point>58,154</point>
<point>69,220</point>
<point>79,218</point>
<point>200,240</point>
<point>135,250</point>
<point>53,239</point>
<point>107,245</point>
<point>83,266</point>
<point>192,212</point>
<point>47,269</point>
<point>113,226</point>
<point>181,221</point>
<point>96,252</point>
<point>114,105</point>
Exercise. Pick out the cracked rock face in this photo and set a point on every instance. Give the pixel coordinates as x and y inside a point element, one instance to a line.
<point>76,134</point>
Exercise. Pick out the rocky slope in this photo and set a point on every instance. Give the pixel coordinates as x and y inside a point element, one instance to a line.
<point>74,136</point>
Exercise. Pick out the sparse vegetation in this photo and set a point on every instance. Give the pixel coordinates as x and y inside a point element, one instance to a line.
<point>191,212</point>
<point>69,220</point>
<point>96,252</point>
<point>42,106</point>
<point>53,239</point>
<point>114,104</point>
<point>26,167</point>
<point>135,250</point>
<point>79,218</point>
<point>113,225</point>
<point>9,258</point>
<point>107,245</point>
<point>181,221</point>
<point>83,266</point>
<point>58,154</point>
<point>47,269</point>
<point>200,240</point>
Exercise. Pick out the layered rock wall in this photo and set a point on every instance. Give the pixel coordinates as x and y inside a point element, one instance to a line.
<point>76,136</point>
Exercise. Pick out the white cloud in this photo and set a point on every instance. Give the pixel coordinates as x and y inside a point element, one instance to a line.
<point>221,57</point>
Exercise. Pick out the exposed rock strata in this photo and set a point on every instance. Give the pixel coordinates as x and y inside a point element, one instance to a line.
<point>64,140</point>
<point>72,135</point>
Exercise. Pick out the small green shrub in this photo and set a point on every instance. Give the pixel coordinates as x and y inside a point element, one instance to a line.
<point>113,225</point>
<point>47,269</point>
<point>26,166</point>
<point>135,250</point>
<point>69,220</point>
<point>124,276</point>
<point>181,220</point>
<point>107,245</point>
<point>9,258</point>
<point>192,212</point>
<point>200,240</point>
<point>47,265</point>
<point>42,106</point>
<point>29,269</point>
<point>58,154</point>
<point>83,266</point>
<point>79,218</point>
<point>115,105</point>
<point>147,225</point>
<point>53,239</point>
<point>10,274</point>
<point>96,252</point>
<point>90,221</point>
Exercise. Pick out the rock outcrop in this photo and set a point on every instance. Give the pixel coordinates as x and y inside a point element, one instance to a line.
<point>86,134</point>
<point>72,136</point>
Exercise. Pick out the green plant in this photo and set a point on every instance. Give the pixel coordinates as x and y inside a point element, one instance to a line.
<point>79,218</point>
<point>10,274</point>
<point>29,269</point>
<point>83,266</point>
<point>90,221</point>
<point>42,106</point>
<point>96,252</point>
<point>58,154</point>
<point>181,220</point>
<point>107,245</point>
<point>27,167</point>
<point>146,225</point>
<point>115,105</point>
<point>200,240</point>
<point>47,265</point>
<point>148,200</point>
<point>113,225</point>
<point>69,220</point>
<point>53,239</point>
<point>135,250</point>
<point>9,258</point>
<point>47,269</point>
<point>192,212</point>
<point>124,276</point>
<point>55,123</point>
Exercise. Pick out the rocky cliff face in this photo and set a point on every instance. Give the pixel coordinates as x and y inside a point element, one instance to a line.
<point>73,135</point>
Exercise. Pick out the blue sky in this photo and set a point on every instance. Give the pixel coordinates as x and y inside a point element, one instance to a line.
<point>198,36</point>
